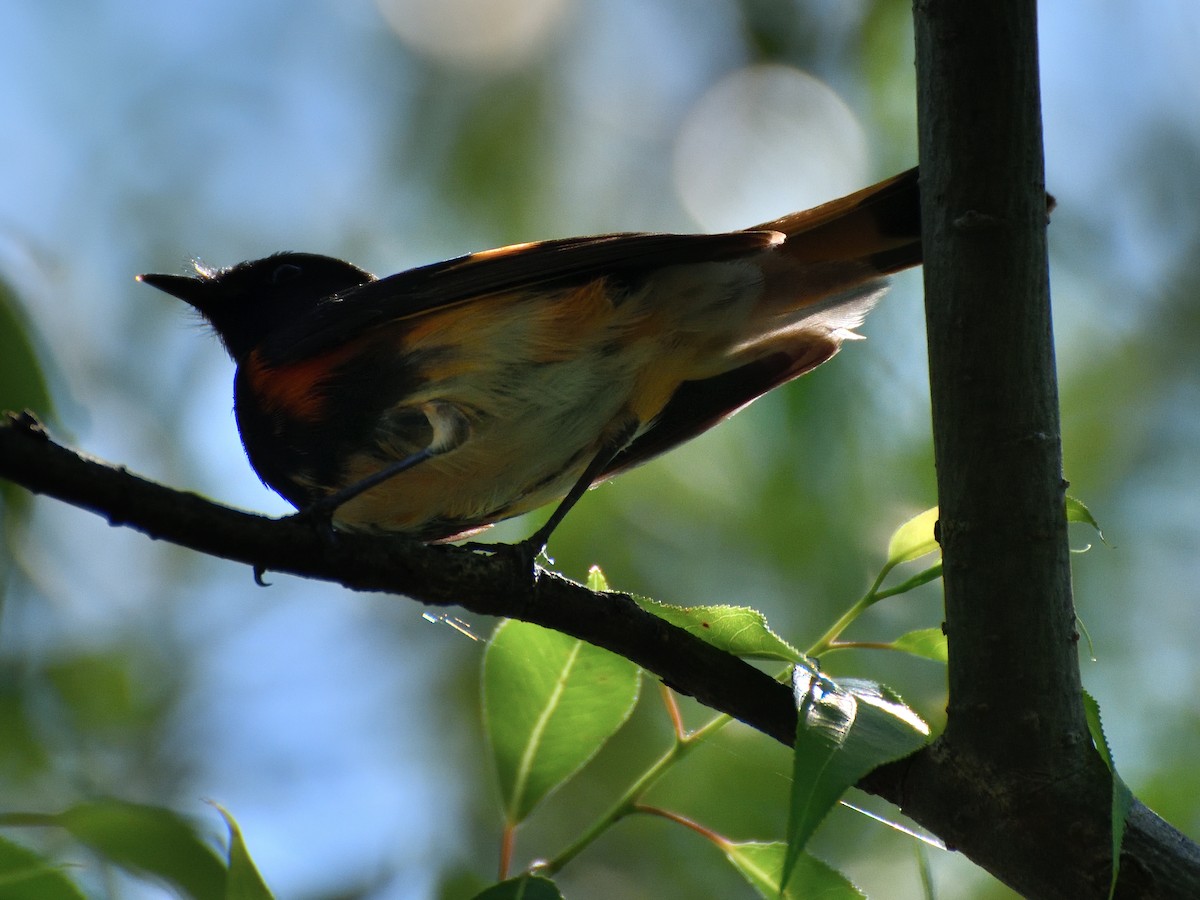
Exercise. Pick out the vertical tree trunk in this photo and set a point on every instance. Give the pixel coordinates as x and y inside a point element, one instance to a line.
<point>1014,781</point>
<point>997,443</point>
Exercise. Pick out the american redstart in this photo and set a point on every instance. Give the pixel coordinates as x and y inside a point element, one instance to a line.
<point>437,401</point>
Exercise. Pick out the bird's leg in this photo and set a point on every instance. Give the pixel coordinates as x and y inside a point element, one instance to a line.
<point>451,429</point>
<point>531,548</point>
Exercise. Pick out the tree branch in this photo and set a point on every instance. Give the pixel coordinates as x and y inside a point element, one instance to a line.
<point>494,585</point>
<point>1016,740</point>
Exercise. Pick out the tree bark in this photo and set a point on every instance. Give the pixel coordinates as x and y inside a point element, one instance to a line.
<point>997,441</point>
<point>1014,782</point>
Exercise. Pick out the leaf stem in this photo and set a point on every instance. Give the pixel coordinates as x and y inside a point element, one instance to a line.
<point>668,698</point>
<point>623,807</point>
<point>684,744</point>
<point>825,641</point>
<point>829,640</point>
<point>507,841</point>
<point>683,820</point>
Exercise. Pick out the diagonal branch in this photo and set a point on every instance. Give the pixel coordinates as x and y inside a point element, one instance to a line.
<point>1016,742</point>
<point>494,585</point>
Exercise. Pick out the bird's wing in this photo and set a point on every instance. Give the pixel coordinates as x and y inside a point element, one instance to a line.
<point>478,277</point>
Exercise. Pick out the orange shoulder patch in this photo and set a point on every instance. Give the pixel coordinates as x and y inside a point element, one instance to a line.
<point>294,389</point>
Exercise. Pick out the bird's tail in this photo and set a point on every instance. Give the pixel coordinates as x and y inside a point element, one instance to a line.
<point>879,225</point>
<point>818,282</point>
<point>831,266</point>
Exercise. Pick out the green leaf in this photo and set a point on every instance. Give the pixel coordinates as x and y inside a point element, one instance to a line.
<point>913,539</point>
<point>97,689</point>
<point>22,749</point>
<point>762,864</point>
<point>22,384</point>
<point>550,701</point>
<point>526,887</point>
<point>739,630</point>
<point>1122,796</point>
<point>24,875</point>
<point>244,881</point>
<point>1077,512</point>
<point>927,643</point>
<point>844,730</point>
<point>148,840</point>
<point>596,580</point>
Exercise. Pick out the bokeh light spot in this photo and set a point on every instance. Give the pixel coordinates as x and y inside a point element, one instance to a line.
<point>765,141</point>
<point>486,34</point>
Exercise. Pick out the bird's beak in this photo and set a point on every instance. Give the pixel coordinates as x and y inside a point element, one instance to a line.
<point>189,290</point>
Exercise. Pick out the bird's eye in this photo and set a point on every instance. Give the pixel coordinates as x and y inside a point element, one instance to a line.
<point>284,272</point>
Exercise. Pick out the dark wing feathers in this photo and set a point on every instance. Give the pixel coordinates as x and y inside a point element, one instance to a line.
<point>479,275</point>
<point>699,405</point>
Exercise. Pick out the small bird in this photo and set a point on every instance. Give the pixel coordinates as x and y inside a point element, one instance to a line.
<point>437,401</point>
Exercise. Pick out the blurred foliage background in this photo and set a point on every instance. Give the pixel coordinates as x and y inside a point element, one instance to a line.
<point>343,730</point>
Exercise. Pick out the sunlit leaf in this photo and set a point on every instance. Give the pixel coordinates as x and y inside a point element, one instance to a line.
<point>913,539</point>
<point>761,864</point>
<point>526,887</point>
<point>928,643</point>
<point>844,731</point>
<point>243,881</point>
<point>550,701</point>
<point>1122,796</point>
<point>596,580</point>
<point>24,875</point>
<point>739,630</point>
<point>1077,512</point>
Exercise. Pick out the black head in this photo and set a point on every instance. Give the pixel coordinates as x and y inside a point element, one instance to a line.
<point>246,302</point>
